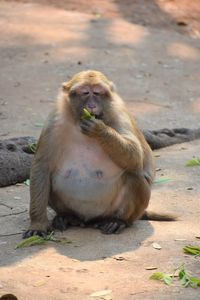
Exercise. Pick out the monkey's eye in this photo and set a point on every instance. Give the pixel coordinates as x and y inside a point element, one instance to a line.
<point>73,93</point>
<point>96,93</point>
<point>85,93</point>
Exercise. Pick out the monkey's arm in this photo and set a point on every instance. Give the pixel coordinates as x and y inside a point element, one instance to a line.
<point>39,190</point>
<point>124,149</point>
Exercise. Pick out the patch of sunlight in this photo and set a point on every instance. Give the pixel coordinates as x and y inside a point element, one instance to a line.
<point>121,31</point>
<point>144,108</point>
<point>196,105</point>
<point>74,52</point>
<point>183,51</point>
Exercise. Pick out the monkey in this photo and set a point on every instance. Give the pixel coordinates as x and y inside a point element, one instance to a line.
<point>8,297</point>
<point>94,172</point>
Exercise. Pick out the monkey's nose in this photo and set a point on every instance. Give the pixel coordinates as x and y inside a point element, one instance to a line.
<point>91,105</point>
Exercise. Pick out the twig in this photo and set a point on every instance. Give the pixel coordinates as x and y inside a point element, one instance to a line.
<point>3,204</point>
<point>10,234</point>
<point>138,293</point>
<point>14,214</point>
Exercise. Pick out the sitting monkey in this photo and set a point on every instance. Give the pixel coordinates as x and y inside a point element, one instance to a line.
<point>92,172</point>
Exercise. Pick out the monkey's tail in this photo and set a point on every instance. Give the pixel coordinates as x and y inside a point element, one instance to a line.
<point>153,216</point>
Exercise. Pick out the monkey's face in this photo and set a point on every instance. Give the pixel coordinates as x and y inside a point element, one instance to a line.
<point>95,98</point>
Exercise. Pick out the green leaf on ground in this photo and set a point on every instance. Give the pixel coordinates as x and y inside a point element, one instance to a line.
<point>193,250</point>
<point>38,240</point>
<point>27,182</point>
<point>187,279</point>
<point>39,124</point>
<point>32,147</point>
<point>31,241</point>
<point>162,180</point>
<point>62,240</point>
<point>193,162</point>
<point>166,278</point>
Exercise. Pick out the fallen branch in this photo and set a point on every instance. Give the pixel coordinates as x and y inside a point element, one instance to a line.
<point>166,137</point>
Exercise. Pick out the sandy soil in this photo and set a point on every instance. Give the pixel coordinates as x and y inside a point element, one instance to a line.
<point>151,50</point>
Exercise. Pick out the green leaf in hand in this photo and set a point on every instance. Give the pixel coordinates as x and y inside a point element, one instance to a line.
<point>87,115</point>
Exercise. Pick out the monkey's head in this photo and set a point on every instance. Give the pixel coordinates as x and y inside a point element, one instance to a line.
<point>91,90</point>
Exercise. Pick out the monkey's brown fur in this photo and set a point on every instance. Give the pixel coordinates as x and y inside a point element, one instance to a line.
<point>91,172</point>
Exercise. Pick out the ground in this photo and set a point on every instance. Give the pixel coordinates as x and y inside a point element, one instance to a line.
<point>151,50</point>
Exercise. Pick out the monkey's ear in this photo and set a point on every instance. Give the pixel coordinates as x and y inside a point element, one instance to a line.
<point>112,86</point>
<point>66,86</point>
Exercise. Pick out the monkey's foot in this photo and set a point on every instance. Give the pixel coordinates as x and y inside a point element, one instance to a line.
<point>30,233</point>
<point>109,225</point>
<point>63,222</point>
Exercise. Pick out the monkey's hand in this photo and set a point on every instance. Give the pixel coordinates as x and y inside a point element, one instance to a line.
<point>93,127</point>
<point>127,153</point>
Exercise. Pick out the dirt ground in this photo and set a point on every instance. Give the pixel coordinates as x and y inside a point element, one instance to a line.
<point>151,50</point>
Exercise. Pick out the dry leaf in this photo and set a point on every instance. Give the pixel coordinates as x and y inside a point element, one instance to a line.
<point>107,297</point>
<point>156,246</point>
<point>120,258</point>
<point>101,293</point>
<point>3,243</point>
<point>151,268</point>
<point>39,283</point>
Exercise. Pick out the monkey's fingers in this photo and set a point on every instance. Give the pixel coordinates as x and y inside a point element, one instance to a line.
<point>59,222</point>
<point>87,122</point>
<point>63,222</point>
<point>30,233</point>
<point>110,226</point>
<point>120,228</point>
<point>86,127</point>
<point>113,227</point>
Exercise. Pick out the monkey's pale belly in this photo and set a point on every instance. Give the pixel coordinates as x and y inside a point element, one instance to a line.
<point>87,194</point>
<point>86,180</point>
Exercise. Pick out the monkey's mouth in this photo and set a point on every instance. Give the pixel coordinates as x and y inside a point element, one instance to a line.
<point>98,116</point>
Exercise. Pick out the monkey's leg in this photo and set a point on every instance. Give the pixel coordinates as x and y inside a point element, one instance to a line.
<point>39,192</point>
<point>136,198</point>
<point>108,225</point>
<point>131,205</point>
<point>65,217</point>
<point>134,201</point>
<point>63,221</point>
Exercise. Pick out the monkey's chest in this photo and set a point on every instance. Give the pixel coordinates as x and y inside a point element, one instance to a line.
<point>83,185</point>
<point>87,181</point>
